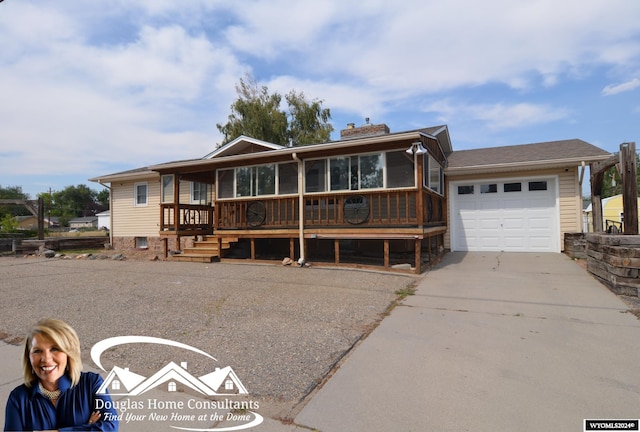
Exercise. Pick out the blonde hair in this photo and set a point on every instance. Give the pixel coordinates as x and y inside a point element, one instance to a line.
<point>65,338</point>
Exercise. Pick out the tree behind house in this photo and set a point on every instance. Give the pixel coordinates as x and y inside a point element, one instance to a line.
<point>257,114</point>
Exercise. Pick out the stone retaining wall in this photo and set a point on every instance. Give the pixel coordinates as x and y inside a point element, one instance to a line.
<point>575,245</point>
<point>615,260</point>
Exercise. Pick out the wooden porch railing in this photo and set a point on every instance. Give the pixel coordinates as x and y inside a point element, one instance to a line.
<point>357,208</point>
<point>186,218</point>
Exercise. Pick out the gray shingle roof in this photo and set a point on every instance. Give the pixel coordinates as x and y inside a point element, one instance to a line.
<point>553,151</point>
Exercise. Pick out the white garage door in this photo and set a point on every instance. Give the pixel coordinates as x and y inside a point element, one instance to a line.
<point>515,215</point>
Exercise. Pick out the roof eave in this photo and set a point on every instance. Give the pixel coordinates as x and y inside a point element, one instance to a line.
<point>530,165</point>
<point>300,150</point>
<point>110,178</point>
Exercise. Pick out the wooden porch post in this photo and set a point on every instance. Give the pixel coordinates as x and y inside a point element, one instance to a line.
<point>386,253</point>
<point>419,189</point>
<point>40,218</point>
<point>418,248</point>
<point>336,250</point>
<point>596,200</point>
<point>628,166</point>
<point>176,205</point>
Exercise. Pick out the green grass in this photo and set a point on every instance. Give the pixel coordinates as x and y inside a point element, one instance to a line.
<point>404,292</point>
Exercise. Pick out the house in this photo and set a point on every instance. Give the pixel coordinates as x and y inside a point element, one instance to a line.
<point>31,222</point>
<point>84,222</point>
<point>517,198</point>
<point>371,198</point>
<point>612,214</point>
<point>104,220</point>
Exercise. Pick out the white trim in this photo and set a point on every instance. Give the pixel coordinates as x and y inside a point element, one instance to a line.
<point>242,138</point>
<point>135,194</point>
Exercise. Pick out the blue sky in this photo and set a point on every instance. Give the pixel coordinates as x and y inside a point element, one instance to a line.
<point>92,87</point>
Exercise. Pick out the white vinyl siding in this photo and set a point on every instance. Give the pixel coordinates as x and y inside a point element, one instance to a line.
<point>130,220</point>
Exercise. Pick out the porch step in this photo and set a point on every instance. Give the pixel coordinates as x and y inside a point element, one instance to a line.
<point>188,257</point>
<point>205,250</point>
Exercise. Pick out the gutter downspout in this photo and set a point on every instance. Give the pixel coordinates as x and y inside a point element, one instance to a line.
<point>300,205</point>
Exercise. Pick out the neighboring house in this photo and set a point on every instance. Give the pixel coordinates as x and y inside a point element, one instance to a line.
<point>373,197</point>
<point>31,222</point>
<point>612,213</point>
<point>104,220</point>
<point>84,222</point>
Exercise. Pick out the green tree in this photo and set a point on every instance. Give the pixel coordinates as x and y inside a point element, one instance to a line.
<point>308,121</point>
<point>13,192</point>
<point>74,201</point>
<point>8,223</point>
<point>255,113</point>
<point>258,114</point>
<point>103,199</point>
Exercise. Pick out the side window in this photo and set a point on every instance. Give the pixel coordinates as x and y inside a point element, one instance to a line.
<point>167,188</point>
<point>140,191</point>
<point>465,190</point>
<point>537,186</point>
<point>513,187</point>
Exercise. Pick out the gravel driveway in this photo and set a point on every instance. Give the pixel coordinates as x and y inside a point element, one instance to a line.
<point>281,329</point>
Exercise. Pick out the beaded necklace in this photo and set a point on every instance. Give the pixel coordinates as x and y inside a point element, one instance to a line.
<point>51,395</point>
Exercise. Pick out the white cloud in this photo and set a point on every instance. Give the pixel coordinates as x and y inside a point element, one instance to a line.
<point>499,116</point>
<point>621,88</point>
<point>85,85</point>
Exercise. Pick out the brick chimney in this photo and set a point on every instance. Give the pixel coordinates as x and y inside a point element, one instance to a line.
<point>367,129</point>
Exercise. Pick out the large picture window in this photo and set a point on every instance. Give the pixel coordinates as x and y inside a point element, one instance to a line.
<point>400,170</point>
<point>257,180</point>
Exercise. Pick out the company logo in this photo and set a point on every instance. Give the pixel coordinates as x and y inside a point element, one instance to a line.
<point>221,382</point>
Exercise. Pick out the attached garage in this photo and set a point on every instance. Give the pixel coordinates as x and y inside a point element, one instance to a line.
<point>519,198</point>
<point>511,215</point>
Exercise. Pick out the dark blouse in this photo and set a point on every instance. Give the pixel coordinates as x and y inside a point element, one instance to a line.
<point>28,409</point>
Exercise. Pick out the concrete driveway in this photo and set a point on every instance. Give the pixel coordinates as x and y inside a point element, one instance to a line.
<point>490,342</point>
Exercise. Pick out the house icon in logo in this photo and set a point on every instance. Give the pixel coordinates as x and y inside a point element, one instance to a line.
<point>221,382</point>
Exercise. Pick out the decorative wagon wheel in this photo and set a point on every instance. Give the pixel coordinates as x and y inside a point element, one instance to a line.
<point>356,209</point>
<point>256,213</point>
<point>439,214</point>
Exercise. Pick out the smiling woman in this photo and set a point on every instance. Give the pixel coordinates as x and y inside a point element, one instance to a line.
<point>56,394</point>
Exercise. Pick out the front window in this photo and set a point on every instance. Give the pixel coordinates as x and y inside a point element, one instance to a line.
<point>199,193</point>
<point>371,171</point>
<point>225,183</point>
<point>315,176</point>
<point>243,182</point>
<point>140,194</point>
<point>400,170</point>
<point>339,173</point>
<point>265,179</point>
<point>288,178</point>
<point>167,188</point>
